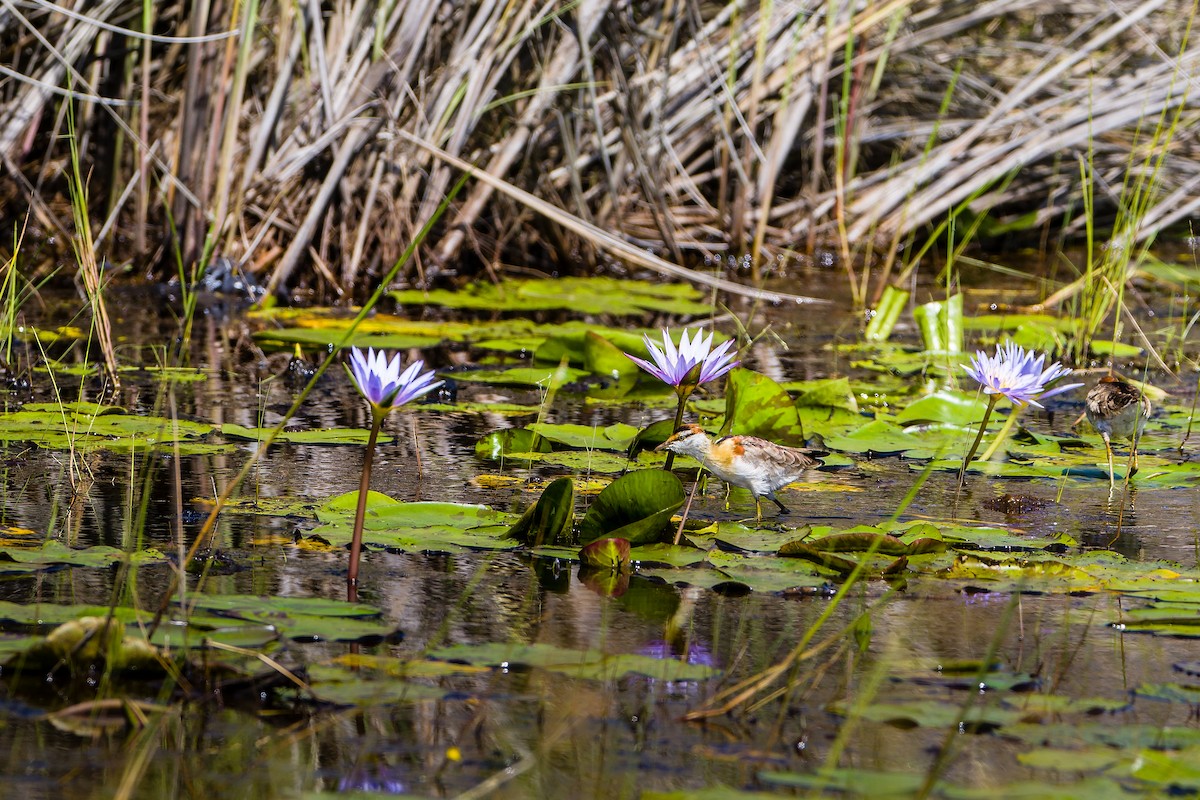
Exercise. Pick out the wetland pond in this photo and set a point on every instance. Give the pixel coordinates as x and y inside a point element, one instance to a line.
<point>1026,635</point>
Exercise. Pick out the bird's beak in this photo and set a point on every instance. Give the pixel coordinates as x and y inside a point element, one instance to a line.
<point>663,446</point>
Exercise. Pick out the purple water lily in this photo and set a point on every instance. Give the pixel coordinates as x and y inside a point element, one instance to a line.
<point>1017,374</point>
<point>672,365</point>
<point>382,383</point>
<point>385,387</point>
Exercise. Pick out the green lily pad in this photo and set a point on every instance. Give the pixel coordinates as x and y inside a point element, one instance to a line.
<point>755,405</point>
<point>498,445</point>
<point>585,437</point>
<point>637,506</point>
<point>324,338</point>
<point>594,295</point>
<point>602,357</point>
<point>947,407</point>
<point>590,664</point>
<point>590,461</point>
<point>358,436</point>
<point>89,427</point>
<point>826,393</point>
<point>931,714</point>
<point>518,376</point>
<point>877,437</point>
<point>56,553</point>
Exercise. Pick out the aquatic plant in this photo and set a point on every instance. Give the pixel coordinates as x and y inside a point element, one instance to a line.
<point>382,384</point>
<point>693,362</point>
<point>1015,374</point>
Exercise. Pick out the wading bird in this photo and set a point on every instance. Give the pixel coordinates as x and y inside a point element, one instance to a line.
<point>746,461</point>
<point>1117,410</point>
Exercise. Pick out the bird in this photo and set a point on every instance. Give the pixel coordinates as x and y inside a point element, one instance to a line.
<point>745,461</point>
<point>1117,410</point>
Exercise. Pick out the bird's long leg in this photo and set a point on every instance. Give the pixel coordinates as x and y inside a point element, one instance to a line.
<point>1108,449</point>
<point>1133,469</point>
<point>782,508</point>
<point>757,508</point>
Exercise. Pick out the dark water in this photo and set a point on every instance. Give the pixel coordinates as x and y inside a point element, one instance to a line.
<point>530,733</point>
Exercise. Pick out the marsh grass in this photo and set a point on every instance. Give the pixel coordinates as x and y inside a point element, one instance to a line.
<point>311,142</point>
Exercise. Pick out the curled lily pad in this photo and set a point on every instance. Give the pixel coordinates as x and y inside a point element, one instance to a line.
<point>606,554</point>
<point>637,506</point>
<point>548,521</point>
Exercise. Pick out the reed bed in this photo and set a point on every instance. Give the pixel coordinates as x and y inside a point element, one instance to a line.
<point>310,141</point>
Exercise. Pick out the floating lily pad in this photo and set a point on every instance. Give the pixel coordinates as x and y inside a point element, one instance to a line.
<point>90,427</point>
<point>590,664</point>
<point>358,436</point>
<point>947,407</point>
<point>932,714</point>
<point>519,376</point>
<point>584,437</point>
<point>56,553</point>
<point>595,295</point>
<point>498,445</point>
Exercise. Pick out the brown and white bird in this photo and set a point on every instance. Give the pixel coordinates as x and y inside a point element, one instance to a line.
<point>1117,410</point>
<point>745,461</point>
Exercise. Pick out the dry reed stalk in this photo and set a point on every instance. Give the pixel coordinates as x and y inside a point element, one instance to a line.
<point>690,129</point>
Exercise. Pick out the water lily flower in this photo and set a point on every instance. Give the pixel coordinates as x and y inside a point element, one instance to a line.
<point>385,387</point>
<point>674,365</point>
<point>1017,375</point>
<point>693,362</point>
<point>382,383</point>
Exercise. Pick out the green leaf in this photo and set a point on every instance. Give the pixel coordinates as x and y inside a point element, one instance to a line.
<point>877,437</point>
<point>606,554</point>
<point>637,506</point>
<point>595,295</point>
<point>755,405</point>
<point>517,376</point>
<point>828,393</point>
<point>499,444</point>
<point>945,407</point>
<point>590,664</point>
<point>587,437</point>
<point>548,521</point>
<point>358,436</point>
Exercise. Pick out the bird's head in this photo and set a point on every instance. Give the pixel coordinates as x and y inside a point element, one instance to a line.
<point>686,440</point>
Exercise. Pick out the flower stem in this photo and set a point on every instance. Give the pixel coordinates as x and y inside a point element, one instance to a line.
<point>683,396</point>
<point>962,473</point>
<point>1003,435</point>
<point>360,512</point>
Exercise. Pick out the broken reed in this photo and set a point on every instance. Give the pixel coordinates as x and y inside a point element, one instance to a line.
<point>282,135</point>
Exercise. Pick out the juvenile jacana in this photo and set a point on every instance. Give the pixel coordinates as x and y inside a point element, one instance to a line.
<point>1117,410</point>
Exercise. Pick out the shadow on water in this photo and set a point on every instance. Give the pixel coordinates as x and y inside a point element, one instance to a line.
<point>515,731</point>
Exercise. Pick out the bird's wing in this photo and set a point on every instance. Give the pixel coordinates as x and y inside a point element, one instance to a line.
<point>797,457</point>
